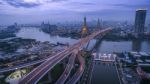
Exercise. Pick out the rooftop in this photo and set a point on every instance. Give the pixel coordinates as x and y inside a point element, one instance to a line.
<point>140,9</point>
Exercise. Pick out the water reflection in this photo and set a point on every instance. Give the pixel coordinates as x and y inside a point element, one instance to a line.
<point>145,46</point>
<point>122,46</point>
<point>103,46</point>
<point>104,73</point>
<point>35,33</point>
<point>136,45</point>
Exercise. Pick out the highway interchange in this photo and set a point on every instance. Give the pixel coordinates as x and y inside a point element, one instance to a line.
<point>35,75</point>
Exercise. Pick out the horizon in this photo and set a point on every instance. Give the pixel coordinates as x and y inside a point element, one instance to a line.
<point>36,11</point>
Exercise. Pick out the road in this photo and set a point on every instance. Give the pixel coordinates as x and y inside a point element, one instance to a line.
<point>79,72</point>
<point>20,66</point>
<point>35,75</point>
<point>67,70</point>
<point>87,75</point>
<point>23,65</point>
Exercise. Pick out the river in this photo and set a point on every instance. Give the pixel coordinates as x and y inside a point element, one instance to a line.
<point>35,33</point>
<point>104,46</point>
<point>104,73</point>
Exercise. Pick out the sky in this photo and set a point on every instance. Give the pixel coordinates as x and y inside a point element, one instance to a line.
<point>35,11</point>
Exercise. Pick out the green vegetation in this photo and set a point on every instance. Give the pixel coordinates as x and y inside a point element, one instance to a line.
<point>45,78</point>
<point>13,44</point>
<point>57,71</point>
<point>146,69</point>
<point>13,75</point>
<point>4,35</point>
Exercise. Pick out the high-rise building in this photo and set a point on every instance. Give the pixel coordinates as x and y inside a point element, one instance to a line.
<point>149,28</point>
<point>84,28</point>
<point>48,28</point>
<point>140,21</point>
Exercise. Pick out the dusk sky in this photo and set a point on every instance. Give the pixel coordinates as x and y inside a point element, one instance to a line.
<point>35,11</point>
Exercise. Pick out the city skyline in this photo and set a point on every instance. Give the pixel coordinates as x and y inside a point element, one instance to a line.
<point>35,11</point>
<point>75,42</point>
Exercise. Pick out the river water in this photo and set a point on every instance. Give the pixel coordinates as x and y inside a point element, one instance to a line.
<point>104,46</point>
<point>102,74</point>
<point>35,33</point>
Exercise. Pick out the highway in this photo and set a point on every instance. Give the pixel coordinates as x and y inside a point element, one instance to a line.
<point>20,66</point>
<point>41,70</point>
<point>79,72</point>
<point>35,75</point>
<point>67,70</point>
<point>23,65</point>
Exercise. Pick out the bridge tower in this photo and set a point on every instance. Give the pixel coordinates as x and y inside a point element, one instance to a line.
<point>99,27</point>
<point>84,31</point>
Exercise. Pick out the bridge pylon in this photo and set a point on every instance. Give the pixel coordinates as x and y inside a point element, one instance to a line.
<point>85,30</point>
<point>99,26</point>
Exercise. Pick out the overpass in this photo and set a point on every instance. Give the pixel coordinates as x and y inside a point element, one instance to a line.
<point>35,75</point>
<point>23,65</point>
<point>67,70</point>
<point>74,79</point>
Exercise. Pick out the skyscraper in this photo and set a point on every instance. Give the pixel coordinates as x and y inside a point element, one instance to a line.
<point>149,28</point>
<point>140,21</point>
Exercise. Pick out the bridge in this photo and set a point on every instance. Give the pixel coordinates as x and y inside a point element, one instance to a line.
<point>36,74</point>
<point>68,69</point>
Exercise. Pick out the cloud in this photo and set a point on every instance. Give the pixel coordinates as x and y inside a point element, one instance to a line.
<point>19,3</point>
<point>82,3</point>
<point>26,10</point>
<point>29,3</point>
<point>58,0</point>
<point>1,3</point>
<point>132,5</point>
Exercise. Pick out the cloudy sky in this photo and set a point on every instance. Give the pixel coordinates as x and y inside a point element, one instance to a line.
<point>34,11</point>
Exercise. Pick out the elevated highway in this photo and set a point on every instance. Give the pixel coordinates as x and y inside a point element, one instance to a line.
<point>34,76</point>
<point>67,70</point>
<point>79,72</point>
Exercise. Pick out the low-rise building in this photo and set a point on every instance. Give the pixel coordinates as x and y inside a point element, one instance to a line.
<point>143,53</point>
<point>139,61</point>
<point>147,60</point>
